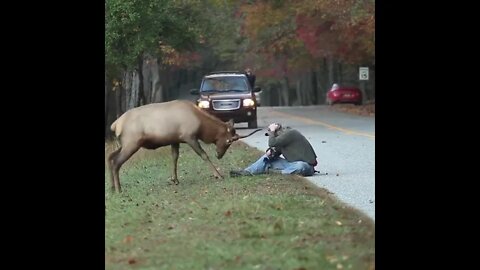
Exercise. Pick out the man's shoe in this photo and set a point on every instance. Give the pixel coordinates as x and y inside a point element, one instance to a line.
<point>240,173</point>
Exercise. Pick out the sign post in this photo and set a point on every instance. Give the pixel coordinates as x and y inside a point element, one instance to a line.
<point>363,73</point>
<point>363,76</point>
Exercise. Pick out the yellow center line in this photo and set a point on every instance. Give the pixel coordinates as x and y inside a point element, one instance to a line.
<point>314,122</point>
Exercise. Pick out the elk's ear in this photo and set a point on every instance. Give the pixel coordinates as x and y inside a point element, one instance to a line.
<point>231,122</point>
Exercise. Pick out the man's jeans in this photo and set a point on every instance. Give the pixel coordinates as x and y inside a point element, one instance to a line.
<point>262,165</point>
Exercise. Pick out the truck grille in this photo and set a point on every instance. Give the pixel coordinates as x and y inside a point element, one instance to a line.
<point>226,104</point>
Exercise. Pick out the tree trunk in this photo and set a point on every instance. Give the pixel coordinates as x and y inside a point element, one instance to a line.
<point>131,89</point>
<point>141,95</point>
<point>156,86</point>
<point>280,95</point>
<point>340,72</point>
<point>299,93</point>
<point>286,91</point>
<point>118,100</point>
<point>165,81</point>
<point>147,79</point>
<point>313,80</point>
<point>127,86</point>
<point>331,74</point>
<point>135,89</point>
<point>323,82</point>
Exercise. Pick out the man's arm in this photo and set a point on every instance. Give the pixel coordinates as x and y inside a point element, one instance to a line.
<point>280,140</point>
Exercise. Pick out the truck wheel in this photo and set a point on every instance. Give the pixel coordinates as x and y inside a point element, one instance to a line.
<point>253,123</point>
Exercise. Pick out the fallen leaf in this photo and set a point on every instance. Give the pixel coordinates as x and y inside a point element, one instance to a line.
<point>228,213</point>
<point>131,261</point>
<point>331,258</point>
<point>128,239</point>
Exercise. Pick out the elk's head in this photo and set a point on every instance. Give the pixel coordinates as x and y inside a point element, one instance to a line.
<point>227,136</point>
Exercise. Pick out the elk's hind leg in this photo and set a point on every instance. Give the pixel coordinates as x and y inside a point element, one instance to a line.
<point>125,153</point>
<point>110,166</point>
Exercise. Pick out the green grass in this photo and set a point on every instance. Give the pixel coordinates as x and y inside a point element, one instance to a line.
<point>260,222</point>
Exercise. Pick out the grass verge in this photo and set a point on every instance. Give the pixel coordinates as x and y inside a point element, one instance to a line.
<point>259,222</point>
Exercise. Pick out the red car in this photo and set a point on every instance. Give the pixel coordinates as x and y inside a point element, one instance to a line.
<point>344,94</point>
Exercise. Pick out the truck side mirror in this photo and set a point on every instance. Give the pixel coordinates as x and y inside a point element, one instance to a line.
<point>194,91</point>
<point>257,89</point>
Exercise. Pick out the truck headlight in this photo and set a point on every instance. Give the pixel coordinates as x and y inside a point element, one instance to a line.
<point>248,102</point>
<point>204,104</point>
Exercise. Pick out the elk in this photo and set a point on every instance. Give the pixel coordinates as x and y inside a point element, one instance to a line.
<point>169,123</point>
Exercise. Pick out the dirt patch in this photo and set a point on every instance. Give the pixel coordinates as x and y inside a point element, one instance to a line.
<point>363,110</point>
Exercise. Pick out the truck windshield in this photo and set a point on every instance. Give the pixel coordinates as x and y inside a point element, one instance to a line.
<point>224,84</point>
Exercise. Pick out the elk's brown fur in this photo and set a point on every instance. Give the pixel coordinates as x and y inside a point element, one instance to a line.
<point>170,123</point>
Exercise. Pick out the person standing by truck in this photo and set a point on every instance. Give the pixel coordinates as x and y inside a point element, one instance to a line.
<point>251,77</point>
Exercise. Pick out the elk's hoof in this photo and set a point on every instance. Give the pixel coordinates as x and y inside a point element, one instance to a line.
<point>175,181</point>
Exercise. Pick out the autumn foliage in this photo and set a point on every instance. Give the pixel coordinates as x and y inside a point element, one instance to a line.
<point>296,34</point>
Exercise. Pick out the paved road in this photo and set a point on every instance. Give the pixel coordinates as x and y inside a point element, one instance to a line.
<point>344,143</point>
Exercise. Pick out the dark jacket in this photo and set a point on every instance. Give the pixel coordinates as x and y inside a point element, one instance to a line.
<point>293,145</point>
<point>251,79</point>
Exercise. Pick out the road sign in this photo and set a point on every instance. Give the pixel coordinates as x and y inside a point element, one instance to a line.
<point>363,72</point>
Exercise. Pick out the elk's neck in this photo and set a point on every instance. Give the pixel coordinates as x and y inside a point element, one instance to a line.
<point>209,131</point>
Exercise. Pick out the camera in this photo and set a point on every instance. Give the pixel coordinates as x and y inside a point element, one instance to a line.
<point>274,153</point>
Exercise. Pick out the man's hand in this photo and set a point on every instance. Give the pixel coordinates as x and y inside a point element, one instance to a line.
<point>269,152</point>
<point>273,127</point>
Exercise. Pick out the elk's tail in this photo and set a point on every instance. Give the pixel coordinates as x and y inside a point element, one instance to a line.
<point>117,126</point>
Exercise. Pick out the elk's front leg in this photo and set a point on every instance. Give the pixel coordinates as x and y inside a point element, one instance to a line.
<point>175,148</point>
<point>199,150</point>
